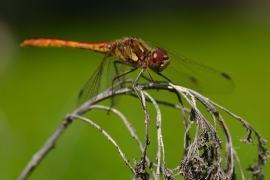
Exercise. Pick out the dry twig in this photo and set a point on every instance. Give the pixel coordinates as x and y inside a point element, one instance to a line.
<point>202,158</point>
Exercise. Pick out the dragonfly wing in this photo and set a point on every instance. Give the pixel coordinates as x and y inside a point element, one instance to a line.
<point>185,72</point>
<point>92,86</point>
<point>198,76</point>
<point>115,68</point>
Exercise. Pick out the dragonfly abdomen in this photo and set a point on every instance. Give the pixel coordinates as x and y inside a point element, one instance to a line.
<point>102,47</point>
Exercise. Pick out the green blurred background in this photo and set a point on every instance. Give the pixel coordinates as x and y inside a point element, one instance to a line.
<point>39,86</point>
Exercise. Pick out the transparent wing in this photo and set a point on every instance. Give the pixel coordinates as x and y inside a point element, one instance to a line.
<point>115,69</point>
<point>194,75</point>
<point>104,77</point>
<point>92,86</point>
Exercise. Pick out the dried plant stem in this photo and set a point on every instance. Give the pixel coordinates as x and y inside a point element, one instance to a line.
<point>202,157</point>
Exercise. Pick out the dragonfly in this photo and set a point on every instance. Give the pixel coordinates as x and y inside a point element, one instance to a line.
<point>136,53</point>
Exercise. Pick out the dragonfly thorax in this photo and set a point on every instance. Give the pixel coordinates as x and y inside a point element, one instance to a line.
<point>132,51</point>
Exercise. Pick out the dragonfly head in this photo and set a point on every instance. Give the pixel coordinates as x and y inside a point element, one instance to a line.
<point>159,60</point>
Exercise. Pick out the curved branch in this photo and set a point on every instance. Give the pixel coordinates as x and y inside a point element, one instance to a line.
<point>202,158</point>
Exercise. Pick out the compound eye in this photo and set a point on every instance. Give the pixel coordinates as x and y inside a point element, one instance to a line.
<point>157,55</point>
<point>163,51</point>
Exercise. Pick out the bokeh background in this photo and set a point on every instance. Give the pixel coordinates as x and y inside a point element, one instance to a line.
<point>39,86</point>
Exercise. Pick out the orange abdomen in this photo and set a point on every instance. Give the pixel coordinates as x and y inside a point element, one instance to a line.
<point>102,47</point>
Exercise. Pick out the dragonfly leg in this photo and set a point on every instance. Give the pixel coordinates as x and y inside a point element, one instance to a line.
<point>123,74</point>
<point>149,75</point>
<point>164,77</point>
<point>118,76</point>
<point>146,78</point>
<point>136,83</point>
